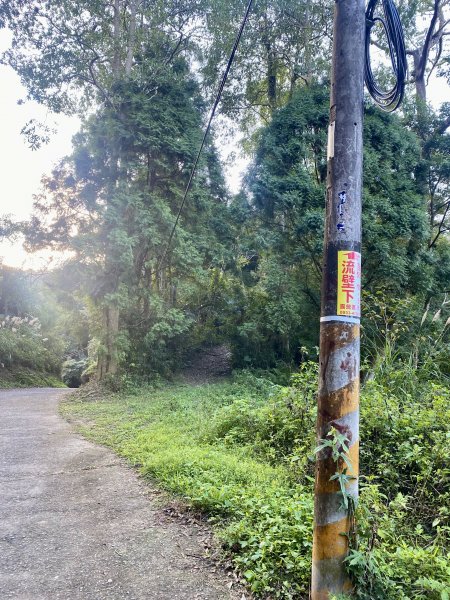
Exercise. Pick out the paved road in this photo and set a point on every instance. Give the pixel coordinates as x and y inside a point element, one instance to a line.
<point>77,524</point>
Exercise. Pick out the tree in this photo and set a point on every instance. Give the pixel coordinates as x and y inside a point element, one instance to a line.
<point>285,44</point>
<point>426,44</point>
<point>286,190</point>
<point>69,55</point>
<point>118,224</point>
<point>73,56</point>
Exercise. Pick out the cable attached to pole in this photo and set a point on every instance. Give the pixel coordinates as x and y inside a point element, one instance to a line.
<point>208,127</point>
<point>387,100</point>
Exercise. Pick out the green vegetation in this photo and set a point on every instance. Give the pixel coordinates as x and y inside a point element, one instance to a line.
<point>30,352</point>
<point>23,344</point>
<point>242,271</point>
<point>243,452</point>
<point>43,329</point>
<point>21,377</point>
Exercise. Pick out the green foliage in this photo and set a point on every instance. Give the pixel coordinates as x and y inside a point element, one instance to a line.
<point>69,73</point>
<point>39,325</point>
<point>413,456</point>
<point>275,57</point>
<point>277,424</point>
<point>242,452</point>
<point>396,558</point>
<point>275,291</point>
<point>22,344</point>
<point>113,204</point>
<point>401,337</point>
<point>403,515</point>
<point>72,371</point>
<point>245,271</point>
<point>337,444</point>
<point>22,377</point>
<point>271,542</point>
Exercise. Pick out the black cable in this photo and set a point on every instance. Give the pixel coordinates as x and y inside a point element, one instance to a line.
<point>387,100</point>
<point>208,127</point>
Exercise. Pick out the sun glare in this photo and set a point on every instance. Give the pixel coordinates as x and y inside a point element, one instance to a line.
<point>13,254</point>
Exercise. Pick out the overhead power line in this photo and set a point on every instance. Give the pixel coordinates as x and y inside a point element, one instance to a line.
<point>387,100</point>
<point>208,127</point>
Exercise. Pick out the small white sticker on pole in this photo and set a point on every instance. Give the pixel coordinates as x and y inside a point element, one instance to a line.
<point>330,149</point>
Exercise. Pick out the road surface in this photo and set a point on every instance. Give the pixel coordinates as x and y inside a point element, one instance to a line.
<point>77,524</point>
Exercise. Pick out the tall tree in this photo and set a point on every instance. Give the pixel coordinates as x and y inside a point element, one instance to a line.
<point>118,226</point>
<point>286,202</point>
<point>73,56</point>
<point>427,26</point>
<point>285,44</point>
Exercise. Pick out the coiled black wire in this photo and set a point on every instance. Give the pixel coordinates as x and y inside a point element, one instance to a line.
<point>387,100</point>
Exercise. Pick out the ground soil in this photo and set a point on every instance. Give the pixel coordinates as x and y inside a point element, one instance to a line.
<point>76,523</point>
<point>207,365</point>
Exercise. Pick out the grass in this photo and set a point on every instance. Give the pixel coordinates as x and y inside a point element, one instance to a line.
<point>241,452</point>
<point>22,377</point>
<point>166,433</point>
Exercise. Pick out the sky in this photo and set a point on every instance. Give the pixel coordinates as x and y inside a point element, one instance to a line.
<point>21,168</point>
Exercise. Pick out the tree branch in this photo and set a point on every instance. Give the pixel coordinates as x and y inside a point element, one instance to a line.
<point>436,59</point>
<point>442,128</point>
<point>428,40</point>
<point>441,228</point>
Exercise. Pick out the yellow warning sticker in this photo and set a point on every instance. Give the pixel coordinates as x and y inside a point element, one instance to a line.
<point>349,283</point>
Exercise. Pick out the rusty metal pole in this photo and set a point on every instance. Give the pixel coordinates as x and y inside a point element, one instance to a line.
<point>338,402</point>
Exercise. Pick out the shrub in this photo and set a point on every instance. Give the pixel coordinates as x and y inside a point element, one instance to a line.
<point>72,371</point>
<point>271,541</point>
<point>396,560</point>
<point>22,344</point>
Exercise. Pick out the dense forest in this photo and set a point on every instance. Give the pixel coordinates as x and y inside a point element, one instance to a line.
<point>132,304</point>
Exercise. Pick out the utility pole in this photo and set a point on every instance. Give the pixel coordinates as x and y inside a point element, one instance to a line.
<point>338,403</point>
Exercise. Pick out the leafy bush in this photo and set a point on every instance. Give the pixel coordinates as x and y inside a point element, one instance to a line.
<point>277,423</point>
<point>72,371</point>
<point>22,344</point>
<point>405,446</point>
<point>397,559</point>
<point>22,377</point>
<point>271,541</point>
<point>403,343</point>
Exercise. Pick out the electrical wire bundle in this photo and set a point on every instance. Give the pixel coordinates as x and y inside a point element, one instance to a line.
<point>387,100</point>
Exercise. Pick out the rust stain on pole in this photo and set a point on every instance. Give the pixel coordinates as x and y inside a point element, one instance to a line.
<point>338,402</point>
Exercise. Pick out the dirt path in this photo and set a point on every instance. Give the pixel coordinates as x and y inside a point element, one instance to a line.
<point>207,365</point>
<point>77,524</point>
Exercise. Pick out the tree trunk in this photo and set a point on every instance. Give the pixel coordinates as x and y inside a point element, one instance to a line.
<point>271,78</point>
<point>108,359</point>
<point>419,80</point>
<point>116,38</point>
<point>271,67</point>
<point>131,37</point>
